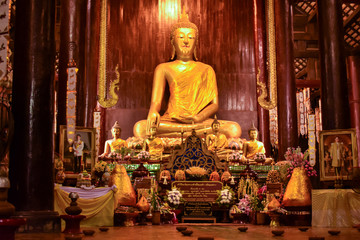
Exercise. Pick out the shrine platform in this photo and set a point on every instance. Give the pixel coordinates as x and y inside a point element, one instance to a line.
<point>216,231</point>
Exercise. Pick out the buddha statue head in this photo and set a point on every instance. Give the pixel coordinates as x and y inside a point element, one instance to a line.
<point>253,132</point>
<point>184,37</point>
<point>116,130</point>
<point>215,126</point>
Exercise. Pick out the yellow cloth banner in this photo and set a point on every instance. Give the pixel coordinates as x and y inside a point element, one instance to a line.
<point>98,211</point>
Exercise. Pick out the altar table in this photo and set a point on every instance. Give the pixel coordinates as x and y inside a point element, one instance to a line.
<point>97,204</point>
<point>335,208</point>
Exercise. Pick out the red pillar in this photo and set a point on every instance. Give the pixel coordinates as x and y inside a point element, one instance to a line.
<point>91,61</point>
<point>334,94</point>
<point>287,115</point>
<point>260,64</point>
<point>31,153</point>
<point>354,97</point>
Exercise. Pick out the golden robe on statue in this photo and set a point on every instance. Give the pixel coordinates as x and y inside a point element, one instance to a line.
<point>253,147</point>
<point>191,91</point>
<point>117,144</point>
<point>156,147</point>
<point>219,142</point>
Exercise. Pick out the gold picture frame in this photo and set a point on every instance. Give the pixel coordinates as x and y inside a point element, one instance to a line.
<point>88,136</point>
<point>338,153</point>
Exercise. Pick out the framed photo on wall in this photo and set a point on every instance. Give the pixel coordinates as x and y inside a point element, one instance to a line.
<point>338,154</point>
<point>84,152</point>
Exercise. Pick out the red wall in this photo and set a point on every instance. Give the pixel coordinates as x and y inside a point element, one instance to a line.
<point>138,40</point>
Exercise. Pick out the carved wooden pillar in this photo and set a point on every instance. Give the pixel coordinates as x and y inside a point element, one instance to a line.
<point>72,46</point>
<point>31,153</point>
<point>287,115</point>
<point>334,94</point>
<point>354,96</point>
<point>260,64</point>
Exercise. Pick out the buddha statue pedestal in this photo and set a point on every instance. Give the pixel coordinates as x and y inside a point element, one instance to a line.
<point>72,223</point>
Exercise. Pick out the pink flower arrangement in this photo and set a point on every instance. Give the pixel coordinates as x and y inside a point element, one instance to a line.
<point>244,205</point>
<point>298,159</point>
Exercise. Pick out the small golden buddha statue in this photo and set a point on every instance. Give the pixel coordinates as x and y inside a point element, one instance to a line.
<point>216,141</point>
<point>116,143</point>
<point>193,90</point>
<point>253,146</point>
<point>154,145</point>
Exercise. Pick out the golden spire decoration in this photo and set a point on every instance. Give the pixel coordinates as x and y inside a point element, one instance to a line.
<point>272,103</point>
<point>104,101</point>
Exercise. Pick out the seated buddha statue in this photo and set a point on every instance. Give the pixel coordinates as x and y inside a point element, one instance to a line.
<point>193,90</point>
<point>216,141</point>
<point>115,144</point>
<point>253,146</point>
<point>154,145</point>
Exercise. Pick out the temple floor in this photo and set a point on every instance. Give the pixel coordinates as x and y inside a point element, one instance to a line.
<point>217,231</point>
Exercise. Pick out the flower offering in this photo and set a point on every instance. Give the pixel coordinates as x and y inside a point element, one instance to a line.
<point>298,159</point>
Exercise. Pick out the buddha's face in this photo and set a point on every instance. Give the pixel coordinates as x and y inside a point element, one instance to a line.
<point>253,134</point>
<point>184,41</point>
<point>216,127</point>
<point>116,132</point>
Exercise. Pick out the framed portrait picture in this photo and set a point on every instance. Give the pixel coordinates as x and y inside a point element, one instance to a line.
<point>80,154</point>
<point>338,154</point>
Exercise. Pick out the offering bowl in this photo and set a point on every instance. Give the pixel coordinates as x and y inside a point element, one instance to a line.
<point>103,229</point>
<point>243,229</point>
<point>180,229</point>
<point>187,232</point>
<point>88,232</point>
<point>303,229</point>
<point>277,232</point>
<point>333,232</point>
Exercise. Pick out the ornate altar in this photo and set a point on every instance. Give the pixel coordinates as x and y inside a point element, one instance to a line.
<point>194,154</point>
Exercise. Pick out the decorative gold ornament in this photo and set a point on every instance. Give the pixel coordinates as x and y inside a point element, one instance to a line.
<point>272,103</point>
<point>102,87</point>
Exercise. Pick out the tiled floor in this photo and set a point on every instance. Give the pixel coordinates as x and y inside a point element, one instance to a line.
<point>217,231</point>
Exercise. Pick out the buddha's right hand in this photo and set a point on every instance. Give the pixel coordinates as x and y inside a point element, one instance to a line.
<point>152,119</point>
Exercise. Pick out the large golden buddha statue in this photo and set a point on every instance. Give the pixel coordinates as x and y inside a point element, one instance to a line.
<point>193,90</point>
